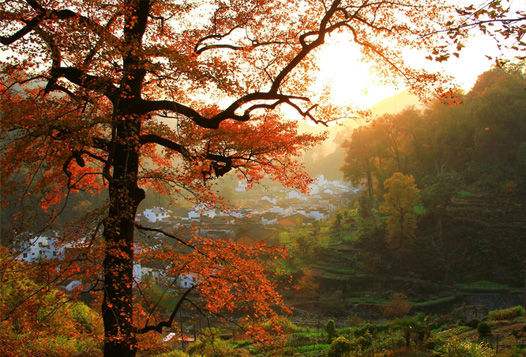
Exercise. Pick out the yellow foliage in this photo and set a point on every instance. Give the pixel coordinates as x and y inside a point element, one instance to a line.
<point>400,199</point>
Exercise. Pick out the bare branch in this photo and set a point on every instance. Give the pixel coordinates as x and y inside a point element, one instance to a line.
<point>169,322</point>
<point>151,229</point>
<point>167,143</point>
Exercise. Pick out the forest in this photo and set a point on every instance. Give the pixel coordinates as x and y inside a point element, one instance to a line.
<point>262,178</point>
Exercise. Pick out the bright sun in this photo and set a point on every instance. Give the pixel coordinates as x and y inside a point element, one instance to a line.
<point>346,77</point>
<point>351,81</point>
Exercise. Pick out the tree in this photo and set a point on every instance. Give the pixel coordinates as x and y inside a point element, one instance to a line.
<point>330,328</point>
<point>361,151</point>
<point>467,159</point>
<point>127,95</point>
<point>399,203</point>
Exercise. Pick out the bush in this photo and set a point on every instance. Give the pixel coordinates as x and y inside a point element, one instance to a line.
<point>82,315</point>
<point>398,306</point>
<point>340,347</point>
<point>457,348</point>
<point>287,325</point>
<point>175,353</point>
<point>484,330</point>
<point>211,345</point>
<point>318,348</point>
<point>62,346</point>
<point>213,348</point>
<point>506,314</point>
<point>416,329</point>
<point>388,340</point>
<point>330,328</point>
<point>363,343</point>
<point>88,346</point>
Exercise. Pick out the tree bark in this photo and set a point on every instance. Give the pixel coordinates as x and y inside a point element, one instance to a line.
<point>124,198</point>
<point>124,193</point>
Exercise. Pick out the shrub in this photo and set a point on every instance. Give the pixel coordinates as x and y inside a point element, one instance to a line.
<point>211,345</point>
<point>286,324</point>
<point>340,347</point>
<point>363,343</point>
<point>88,346</point>
<point>484,330</point>
<point>506,314</point>
<point>330,328</point>
<point>457,348</point>
<point>398,306</point>
<point>388,340</point>
<point>318,348</point>
<point>364,329</point>
<point>61,346</point>
<point>175,353</point>
<point>82,315</point>
<point>416,329</point>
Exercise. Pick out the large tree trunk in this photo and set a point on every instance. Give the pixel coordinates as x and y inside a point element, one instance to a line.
<point>124,194</point>
<point>124,198</point>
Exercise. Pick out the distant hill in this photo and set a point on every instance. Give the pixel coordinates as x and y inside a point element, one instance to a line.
<point>327,158</point>
<point>395,104</point>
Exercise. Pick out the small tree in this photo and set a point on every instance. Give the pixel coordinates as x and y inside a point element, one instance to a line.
<point>400,199</point>
<point>330,328</point>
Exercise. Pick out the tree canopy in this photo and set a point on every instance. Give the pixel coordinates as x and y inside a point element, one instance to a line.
<point>120,96</point>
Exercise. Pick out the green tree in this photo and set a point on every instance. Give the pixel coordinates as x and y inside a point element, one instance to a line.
<point>359,162</point>
<point>330,328</point>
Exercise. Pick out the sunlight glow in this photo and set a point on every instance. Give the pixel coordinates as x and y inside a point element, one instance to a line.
<point>348,80</point>
<point>346,77</point>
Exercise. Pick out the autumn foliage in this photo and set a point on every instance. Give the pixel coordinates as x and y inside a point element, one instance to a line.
<point>123,96</point>
<point>231,281</point>
<point>38,319</point>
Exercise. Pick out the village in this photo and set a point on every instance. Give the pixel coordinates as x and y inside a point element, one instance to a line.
<point>260,215</point>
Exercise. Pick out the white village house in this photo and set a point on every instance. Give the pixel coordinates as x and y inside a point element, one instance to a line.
<point>40,248</point>
<point>186,281</point>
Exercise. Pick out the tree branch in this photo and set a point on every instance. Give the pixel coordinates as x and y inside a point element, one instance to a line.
<point>145,106</point>
<point>64,14</point>
<point>150,229</point>
<point>169,322</point>
<point>30,26</point>
<point>167,143</point>
<point>87,81</point>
